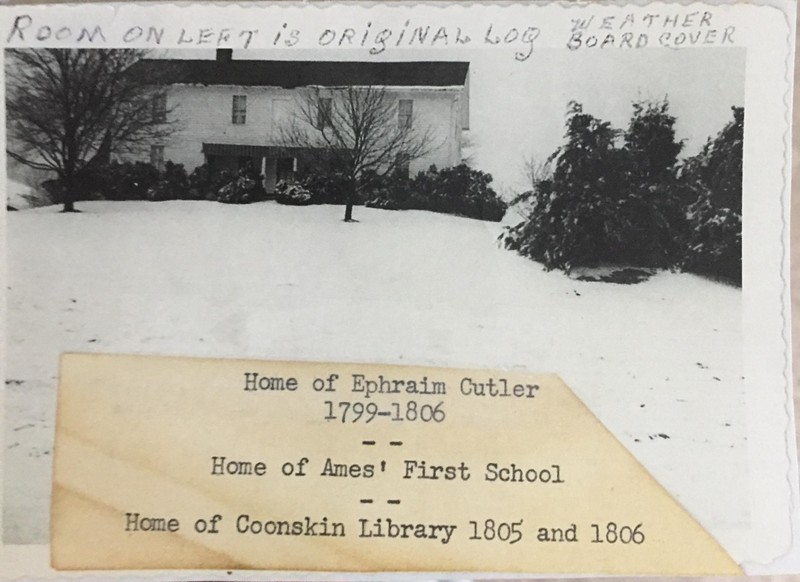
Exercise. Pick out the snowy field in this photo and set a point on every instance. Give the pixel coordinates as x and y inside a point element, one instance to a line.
<point>659,362</point>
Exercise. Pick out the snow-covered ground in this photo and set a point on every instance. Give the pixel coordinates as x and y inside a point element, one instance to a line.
<point>16,192</point>
<point>658,362</point>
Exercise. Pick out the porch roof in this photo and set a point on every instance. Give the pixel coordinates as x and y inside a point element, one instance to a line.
<point>251,151</point>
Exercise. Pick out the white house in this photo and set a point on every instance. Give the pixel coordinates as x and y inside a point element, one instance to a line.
<point>230,112</point>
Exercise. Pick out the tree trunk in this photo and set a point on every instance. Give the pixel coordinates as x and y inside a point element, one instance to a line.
<point>68,184</point>
<point>351,200</point>
<point>70,165</point>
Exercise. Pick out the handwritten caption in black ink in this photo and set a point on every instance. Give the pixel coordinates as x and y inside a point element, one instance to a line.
<point>674,29</point>
<point>375,39</point>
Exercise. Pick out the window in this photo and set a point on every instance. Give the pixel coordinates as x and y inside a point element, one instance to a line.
<point>324,113</point>
<point>157,157</point>
<point>405,111</point>
<point>239,112</point>
<point>160,108</point>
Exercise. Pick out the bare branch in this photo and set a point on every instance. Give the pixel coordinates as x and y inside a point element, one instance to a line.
<point>68,109</point>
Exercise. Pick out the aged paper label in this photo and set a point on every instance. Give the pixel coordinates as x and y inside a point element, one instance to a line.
<point>235,464</point>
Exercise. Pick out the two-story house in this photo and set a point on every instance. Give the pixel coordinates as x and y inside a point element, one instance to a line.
<point>230,112</point>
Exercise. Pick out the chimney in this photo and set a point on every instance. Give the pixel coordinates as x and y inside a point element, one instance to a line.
<point>224,55</point>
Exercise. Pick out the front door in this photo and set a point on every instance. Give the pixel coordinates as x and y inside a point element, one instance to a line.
<point>285,169</point>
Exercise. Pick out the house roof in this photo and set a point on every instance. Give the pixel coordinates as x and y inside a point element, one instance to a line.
<point>290,74</point>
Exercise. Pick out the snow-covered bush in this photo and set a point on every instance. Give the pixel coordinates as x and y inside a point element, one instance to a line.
<point>564,232</point>
<point>118,181</point>
<point>243,189</point>
<point>325,186</point>
<point>235,192</point>
<point>173,184</point>
<point>714,242</point>
<point>634,204</point>
<point>292,193</point>
<point>205,182</point>
<point>650,226</point>
<point>378,199</point>
<point>222,185</point>
<point>604,203</point>
<point>389,192</point>
<point>88,186</point>
<point>200,183</point>
<point>460,190</point>
<point>718,166</point>
<point>159,192</point>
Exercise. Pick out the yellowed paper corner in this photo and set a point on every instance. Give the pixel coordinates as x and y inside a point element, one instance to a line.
<point>182,463</point>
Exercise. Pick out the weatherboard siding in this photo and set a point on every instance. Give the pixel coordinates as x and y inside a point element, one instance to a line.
<point>203,115</point>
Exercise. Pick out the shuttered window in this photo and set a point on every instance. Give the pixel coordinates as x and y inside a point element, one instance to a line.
<point>405,112</point>
<point>239,112</point>
<point>160,108</point>
<point>324,113</point>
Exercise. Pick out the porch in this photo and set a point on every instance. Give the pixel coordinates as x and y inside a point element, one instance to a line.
<point>275,163</point>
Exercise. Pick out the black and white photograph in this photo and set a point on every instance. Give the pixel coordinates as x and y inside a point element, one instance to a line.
<point>575,212</point>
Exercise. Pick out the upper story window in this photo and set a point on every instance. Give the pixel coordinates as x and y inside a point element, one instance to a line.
<point>405,112</point>
<point>160,108</point>
<point>325,112</point>
<point>239,110</point>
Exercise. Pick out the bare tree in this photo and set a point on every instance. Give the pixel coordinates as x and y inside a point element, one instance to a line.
<point>536,171</point>
<point>358,131</point>
<point>69,109</point>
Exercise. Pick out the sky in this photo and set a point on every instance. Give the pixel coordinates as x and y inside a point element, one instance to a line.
<point>517,109</point>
